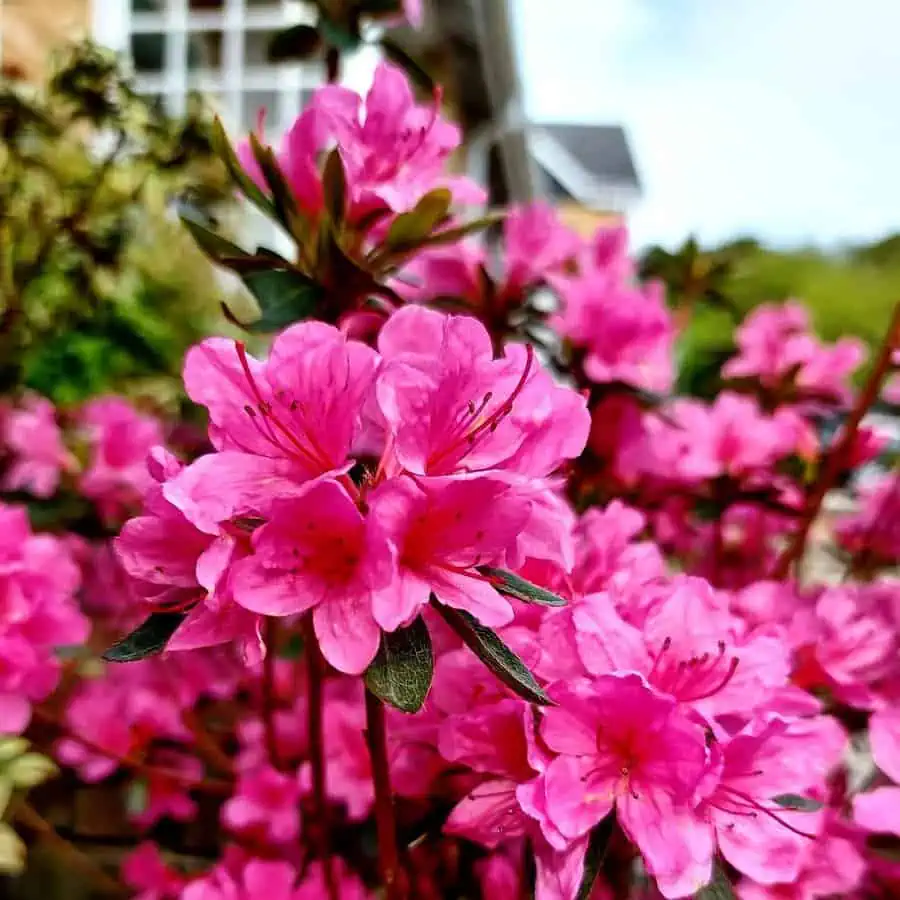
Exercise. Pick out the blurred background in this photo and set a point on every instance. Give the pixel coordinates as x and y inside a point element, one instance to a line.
<point>749,146</point>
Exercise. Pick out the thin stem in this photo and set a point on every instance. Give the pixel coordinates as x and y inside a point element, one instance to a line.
<point>332,65</point>
<point>836,454</point>
<point>34,821</point>
<point>215,786</point>
<point>388,855</point>
<point>206,745</point>
<point>315,667</point>
<point>268,694</point>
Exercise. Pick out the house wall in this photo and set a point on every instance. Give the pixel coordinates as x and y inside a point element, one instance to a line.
<point>30,30</point>
<point>584,221</point>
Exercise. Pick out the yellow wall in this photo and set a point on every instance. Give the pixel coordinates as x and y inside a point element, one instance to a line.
<point>585,222</point>
<point>31,29</point>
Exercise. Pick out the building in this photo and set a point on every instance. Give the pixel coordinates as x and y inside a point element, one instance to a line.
<point>219,47</point>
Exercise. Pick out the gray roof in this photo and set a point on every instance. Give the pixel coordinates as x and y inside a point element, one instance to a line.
<point>601,150</point>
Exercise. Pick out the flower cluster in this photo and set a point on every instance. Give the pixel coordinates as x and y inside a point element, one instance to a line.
<point>460,605</point>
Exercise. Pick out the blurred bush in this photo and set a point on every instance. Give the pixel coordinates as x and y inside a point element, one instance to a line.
<point>100,287</point>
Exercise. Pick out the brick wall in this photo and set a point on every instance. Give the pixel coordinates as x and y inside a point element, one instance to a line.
<point>31,29</point>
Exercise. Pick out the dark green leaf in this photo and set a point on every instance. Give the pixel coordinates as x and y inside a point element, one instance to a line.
<point>296,42</point>
<point>488,647</point>
<point>408,230</point>
<point>598,844</point>
<point>520,588</point>
<point>719,888</point>
<point>282,195</point>
<point>213,245</point>
<point>416,71</point>
<point>334,187</point>
<point>798,803</point>
<point>336,35</point>
<point>401,672</point>
<point>248,187</point>
<point>284,296</point>
<point>148,639</point>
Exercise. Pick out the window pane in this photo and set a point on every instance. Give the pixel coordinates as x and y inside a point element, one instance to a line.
<point>256,47</point>
<point>148,51</point>
<point>205,51</point>
<point>147,6</point>
<point>214,5</point>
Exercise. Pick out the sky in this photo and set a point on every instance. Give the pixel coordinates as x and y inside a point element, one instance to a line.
<point>773,118</point>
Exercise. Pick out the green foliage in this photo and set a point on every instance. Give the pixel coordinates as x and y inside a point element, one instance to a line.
<point>99,286</point>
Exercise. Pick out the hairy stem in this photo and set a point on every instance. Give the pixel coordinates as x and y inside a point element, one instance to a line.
<point>315,704</point>
<point>31,819</point>
<point>836,454</point>
<point>386,825</point>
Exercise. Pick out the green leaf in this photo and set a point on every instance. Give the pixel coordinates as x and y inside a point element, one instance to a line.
<point>282,196</point>
<point>409,229</point>
<point>401,672</point>
<point>488,647</point>
<point>295,43</point>
<point>336,36</point>
<point>148,639</point>
<point>452,235</point>
<point>284,296</point>
<point>29,770</point>
<point>334,187</point>
<point>598,844</point>
<point>515,586</point>
<point>719,888</point>
<point>216,247</point>
<point>247,186</point>
<point>798,803</point>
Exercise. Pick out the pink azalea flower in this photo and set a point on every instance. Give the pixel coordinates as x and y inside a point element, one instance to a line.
<point>443,528</point>
<point>276,423</point>
<point>255,878</point>
<point>689,646</point>
<point>873,531</point>
<point>762,840</point>
<point>775,343</point>
<point>623,745</point>
<point>146,871</point>
<point>33,436</point>
<point>317,552</point>
<point>884,736</point>
<point>878,811</point>
<point>121,439</point>
<point>175,566</point>
<point>625,330</point>
<point>313,886</point>
<point>394,150</point>
<point>265,804</point>
<point>450,406</point>
<point>168,798</point>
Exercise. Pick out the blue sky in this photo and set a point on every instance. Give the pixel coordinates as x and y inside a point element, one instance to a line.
<point>778,118</point>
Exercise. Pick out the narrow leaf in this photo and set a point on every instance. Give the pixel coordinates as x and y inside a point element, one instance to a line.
<point>798,803</point>
<point>409,229</point>
<point>719,888</point>
<point>148,639</point>
<point>295,43</point>
<point>452,235</point>
<point>282,195</point>
<point>247,185</point>
<point>488,647</point>
<point>334,187</point>
<point>598,844</point>
<point>401,672</point>
<point>213,245</point>
<point>515,586</point>
<point>284,296</point>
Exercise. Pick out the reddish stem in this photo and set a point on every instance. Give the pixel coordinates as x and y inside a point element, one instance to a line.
<point>269,694</point>
<point>836,454</point>
<point>208,785</point>
<point>386,825</point>
<point>315,667</point>
<point>33,821</point>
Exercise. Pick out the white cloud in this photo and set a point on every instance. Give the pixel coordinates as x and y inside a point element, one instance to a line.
<point>776,117</point>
